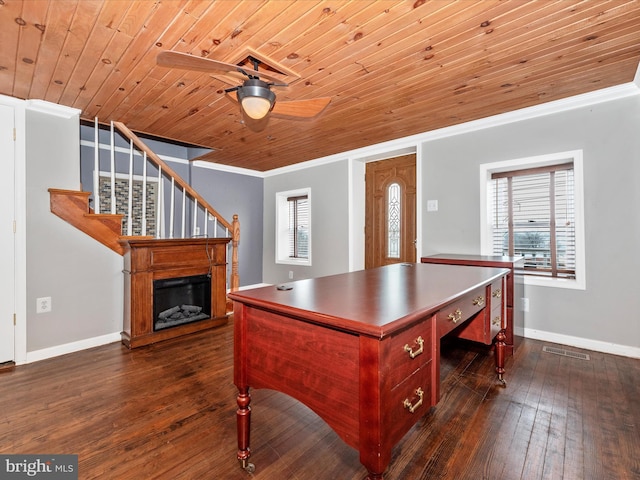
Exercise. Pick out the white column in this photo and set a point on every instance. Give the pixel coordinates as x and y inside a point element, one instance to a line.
<point>96,166</point>
<point>130,206</point>
<point>113,170</point>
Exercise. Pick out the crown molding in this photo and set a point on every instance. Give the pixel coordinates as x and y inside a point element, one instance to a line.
<point>373,152</point>
<point>52,109</point>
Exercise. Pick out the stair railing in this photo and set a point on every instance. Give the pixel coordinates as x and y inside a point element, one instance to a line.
<point>188,215</point>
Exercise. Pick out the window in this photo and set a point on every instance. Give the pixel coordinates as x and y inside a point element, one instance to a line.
<point>293,220</point>
<point>393,220</point>
<point>533,209</point>
<point>298,226</point>
<point>533,217</point>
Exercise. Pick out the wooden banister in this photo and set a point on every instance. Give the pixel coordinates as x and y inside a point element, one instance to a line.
<point>169,171</point>
<point>235,240</point>
<point>233,228</point>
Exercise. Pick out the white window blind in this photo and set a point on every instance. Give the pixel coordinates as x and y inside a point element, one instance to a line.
<point>534,217</point>
<point>298,226</point>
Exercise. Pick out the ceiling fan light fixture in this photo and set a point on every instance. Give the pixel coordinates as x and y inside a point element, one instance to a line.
<point>256,98</point>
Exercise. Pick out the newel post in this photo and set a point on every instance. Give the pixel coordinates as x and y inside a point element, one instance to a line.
<point>235,240</point>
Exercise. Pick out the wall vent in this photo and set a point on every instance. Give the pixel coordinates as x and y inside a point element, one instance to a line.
<point>565,353</point>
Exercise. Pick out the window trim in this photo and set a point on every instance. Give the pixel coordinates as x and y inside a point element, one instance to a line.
<point>282,227</point>
<point>486,169</point>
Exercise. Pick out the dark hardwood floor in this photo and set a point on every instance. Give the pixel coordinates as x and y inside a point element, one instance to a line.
<point>167,411</point>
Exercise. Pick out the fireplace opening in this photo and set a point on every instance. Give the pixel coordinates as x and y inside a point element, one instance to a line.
<point>177,301</point>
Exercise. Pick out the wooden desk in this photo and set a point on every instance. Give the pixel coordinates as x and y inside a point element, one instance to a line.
<point>514,287</point>
<point>361,349</point>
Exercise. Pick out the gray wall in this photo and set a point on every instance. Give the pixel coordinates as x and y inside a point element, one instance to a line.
<point>231,193</point>
<point>82,277</point>
<point>609,135</point>
<point>329,221</point>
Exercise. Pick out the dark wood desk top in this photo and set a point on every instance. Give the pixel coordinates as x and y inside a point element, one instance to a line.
<point>375,302</point>
<point>493,259</point>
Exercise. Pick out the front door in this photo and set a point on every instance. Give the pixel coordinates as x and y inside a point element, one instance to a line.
<point>7,266</point>
<point>390,211</point>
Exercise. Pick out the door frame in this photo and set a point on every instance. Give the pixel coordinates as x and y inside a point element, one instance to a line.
<point>357,199</point>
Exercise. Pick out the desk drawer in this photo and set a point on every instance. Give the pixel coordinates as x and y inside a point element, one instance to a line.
<point>498,316</point>
<point>406,352</point>
<point>458,312</point>
<point>405,404</point>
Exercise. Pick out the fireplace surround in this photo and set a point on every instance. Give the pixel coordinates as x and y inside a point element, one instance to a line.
<point>191,276</point>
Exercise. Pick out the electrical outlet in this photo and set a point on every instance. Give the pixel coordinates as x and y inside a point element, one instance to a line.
<point>197,231</point>
<point>525,304</point>
<point>290,274</point>
<point>43,304</point>
<point>432,205</point>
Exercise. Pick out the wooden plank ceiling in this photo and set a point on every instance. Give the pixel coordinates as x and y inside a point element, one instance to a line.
<point>391,67</point>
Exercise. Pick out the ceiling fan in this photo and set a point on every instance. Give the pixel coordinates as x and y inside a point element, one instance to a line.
<point>257,100</point>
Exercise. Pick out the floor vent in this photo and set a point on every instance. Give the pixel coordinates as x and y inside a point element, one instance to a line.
<point>565,353</point>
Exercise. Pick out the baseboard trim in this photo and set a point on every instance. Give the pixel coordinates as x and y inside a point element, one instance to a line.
<point>58,350</point>
<point>587,344</point>
<point>248,287</point>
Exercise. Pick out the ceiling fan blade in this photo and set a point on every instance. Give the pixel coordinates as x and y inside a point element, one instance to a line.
<point>232,97</point>
<point>301,108</point>
<point>185,61</point>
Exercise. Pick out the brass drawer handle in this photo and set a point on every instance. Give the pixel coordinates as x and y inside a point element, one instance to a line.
<point>496,321</point>
<point>478,301</point>
<point>414,353</point>
<point>456,316</point>
<point>497,293</point>
<point>407,403</point>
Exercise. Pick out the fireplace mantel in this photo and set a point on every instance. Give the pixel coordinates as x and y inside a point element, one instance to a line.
<point>146,260</point>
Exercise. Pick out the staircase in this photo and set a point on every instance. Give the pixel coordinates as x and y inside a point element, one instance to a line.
<point>188,215</point>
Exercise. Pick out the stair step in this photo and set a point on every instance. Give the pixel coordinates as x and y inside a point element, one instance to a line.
<point>112,221</point>
<point>78,198</point>
<point>73,207</point>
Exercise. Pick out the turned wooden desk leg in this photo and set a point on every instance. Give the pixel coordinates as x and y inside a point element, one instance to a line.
<point>243,416</point>
<point>375,462</point>
<point>500,355</point>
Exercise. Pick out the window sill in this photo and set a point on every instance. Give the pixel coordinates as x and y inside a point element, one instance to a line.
<point>554,282</point>
<point>293,261</point>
